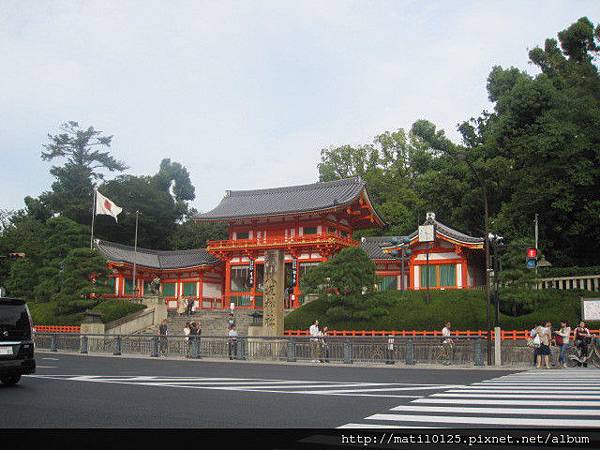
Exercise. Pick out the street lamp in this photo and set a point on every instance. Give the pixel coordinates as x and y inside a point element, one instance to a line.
<point>403,253</point>
<point>461,156</point>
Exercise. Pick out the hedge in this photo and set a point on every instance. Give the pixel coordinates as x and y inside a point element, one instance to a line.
<point>466,309</point>
<point>47,314</point>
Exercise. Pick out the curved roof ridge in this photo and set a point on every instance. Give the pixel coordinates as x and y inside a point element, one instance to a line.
<point>303,187</point>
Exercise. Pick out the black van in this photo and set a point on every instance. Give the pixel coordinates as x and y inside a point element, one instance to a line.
<point>16,344</point>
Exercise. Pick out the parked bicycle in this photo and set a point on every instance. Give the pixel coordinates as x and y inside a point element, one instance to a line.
<point>592,356</point>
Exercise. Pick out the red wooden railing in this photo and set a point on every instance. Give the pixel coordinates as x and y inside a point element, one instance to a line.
<point>512,335</point>
<point>56,329</point>
<point>279,241</point>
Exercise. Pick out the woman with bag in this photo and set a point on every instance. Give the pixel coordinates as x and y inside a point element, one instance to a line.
<point>534,342</point>
<point>562,340</point>
<point>543,333</point>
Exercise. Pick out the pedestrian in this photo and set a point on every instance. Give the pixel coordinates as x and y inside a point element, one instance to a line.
<point>534,342</point>
<point>231,321</point>
<point>562,338</point>
<point>187,330</point>
<point>181,306</point>
<point>233,335</point>
<point>448,343</point>
<point>190,306</point>
<point>163,330</point>
<point>543,331</point>
<point>314,341</point>
<point>389,357</point>
<point>583,338</point>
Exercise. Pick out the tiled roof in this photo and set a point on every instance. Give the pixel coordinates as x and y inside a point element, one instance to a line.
<point>450,233</point>
<point>156,259</point>
<point>286,200</point>
<point>373,246</point>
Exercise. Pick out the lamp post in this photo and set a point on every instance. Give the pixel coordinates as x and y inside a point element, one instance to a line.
<point>403,253</point>
<point>486,244</point>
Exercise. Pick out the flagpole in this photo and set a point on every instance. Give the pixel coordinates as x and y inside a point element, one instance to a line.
<point>137,213</point>
<point>93,218</point>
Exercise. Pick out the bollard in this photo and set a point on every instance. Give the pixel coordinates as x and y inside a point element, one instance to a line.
<point>410,353</point>
<point>54,343</point>
<point>347,352</point>
<point>155,344</point>
<point>117,346</point>
<point>478,352</point>
<point>83,344</point>
<point>291,351</point>
<point>240,350</point>
<point>390,351</point>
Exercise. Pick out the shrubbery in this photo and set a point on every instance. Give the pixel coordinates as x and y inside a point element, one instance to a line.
<point>53,314</point>
<point>466,309</point>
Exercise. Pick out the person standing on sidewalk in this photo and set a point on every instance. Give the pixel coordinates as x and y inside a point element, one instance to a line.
<point>562,338</point>
<point>544,350</point>
<point>233,335</point>
<point>314,341</point>
<point>163,330</point>
<point>448,344</point>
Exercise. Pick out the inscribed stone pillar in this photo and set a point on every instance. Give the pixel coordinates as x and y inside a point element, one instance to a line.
<point>273,293</point>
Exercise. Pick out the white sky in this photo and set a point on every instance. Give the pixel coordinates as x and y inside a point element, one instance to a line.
<point>246,94</point>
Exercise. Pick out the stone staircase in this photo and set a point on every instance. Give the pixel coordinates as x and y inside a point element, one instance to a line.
<point>212,322</point>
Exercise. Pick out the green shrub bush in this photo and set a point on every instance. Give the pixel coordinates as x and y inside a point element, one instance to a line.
<point>55,313</point>
<point>408,310</point>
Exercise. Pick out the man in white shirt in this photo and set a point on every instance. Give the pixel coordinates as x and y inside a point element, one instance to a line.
<point>447,343</point>
<point>233,335</point>
<point>314,340</point>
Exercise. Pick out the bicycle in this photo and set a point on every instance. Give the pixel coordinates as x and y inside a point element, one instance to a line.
<point>575,359</point>
<point>444,353</point>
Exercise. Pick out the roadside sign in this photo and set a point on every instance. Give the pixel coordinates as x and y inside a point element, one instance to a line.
<point>590,309</point>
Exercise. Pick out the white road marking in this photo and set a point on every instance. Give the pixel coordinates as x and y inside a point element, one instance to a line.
<point>506,411</point>
<point>52,359</point>
<point>476,401</point>
<point>262,385</point>
<point>516,396</point>
<point>571,399</point>
<point>517,421</point>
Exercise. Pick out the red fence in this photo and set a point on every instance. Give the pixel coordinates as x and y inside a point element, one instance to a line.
<point>56,329</point>
<point>512,335</point>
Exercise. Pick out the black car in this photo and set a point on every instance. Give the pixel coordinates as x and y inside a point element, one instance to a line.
<point>16,344</point>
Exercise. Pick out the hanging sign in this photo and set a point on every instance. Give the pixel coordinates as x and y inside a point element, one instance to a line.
<point>426,233</point>
<point>294,276</point>
<point>251,274</point>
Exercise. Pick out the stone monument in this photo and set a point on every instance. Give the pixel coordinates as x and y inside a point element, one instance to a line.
<point>273,293</point>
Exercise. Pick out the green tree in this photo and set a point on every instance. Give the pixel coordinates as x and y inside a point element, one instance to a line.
<point>347,274</point>
<point>86,158</point>
<point>189,234</point>
<point>162,200</point>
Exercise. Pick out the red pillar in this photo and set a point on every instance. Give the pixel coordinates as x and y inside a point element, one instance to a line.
<point>227,295</point>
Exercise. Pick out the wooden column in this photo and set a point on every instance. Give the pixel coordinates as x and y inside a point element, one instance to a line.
<point>227,292</point>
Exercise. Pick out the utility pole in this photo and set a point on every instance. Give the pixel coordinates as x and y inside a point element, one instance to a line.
<point>536,242</point>
<point>137,214</point>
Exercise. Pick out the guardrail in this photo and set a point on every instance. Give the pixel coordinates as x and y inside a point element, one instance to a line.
<point>512,335</point>
<point>56,329</point>
<point>373,350</point>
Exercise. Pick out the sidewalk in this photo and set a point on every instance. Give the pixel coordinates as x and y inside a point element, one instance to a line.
<point>398,365</point>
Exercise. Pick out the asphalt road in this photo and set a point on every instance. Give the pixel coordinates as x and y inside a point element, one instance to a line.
<point>71,391</point>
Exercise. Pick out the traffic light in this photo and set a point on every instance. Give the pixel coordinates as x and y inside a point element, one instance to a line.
<point>532,255</point>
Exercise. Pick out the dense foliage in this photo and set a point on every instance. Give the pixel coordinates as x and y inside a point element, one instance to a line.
<point>408,310</point>
<point>348,273</point>
<point>538,151</point>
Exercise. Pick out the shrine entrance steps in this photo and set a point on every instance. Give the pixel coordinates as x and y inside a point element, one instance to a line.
<point>212,322</point>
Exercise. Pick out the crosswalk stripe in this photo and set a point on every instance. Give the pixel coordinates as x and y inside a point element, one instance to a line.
<point>528,391</point>
<point>477,401</point>
<point>505,411</point>
<point>366,425</point>
<point>520,421</point>
<point>381,389</point>
<point>517,396</point>
<point>528,387</point>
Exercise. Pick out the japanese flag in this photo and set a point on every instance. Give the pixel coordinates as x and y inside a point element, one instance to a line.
<point>106,206</point>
